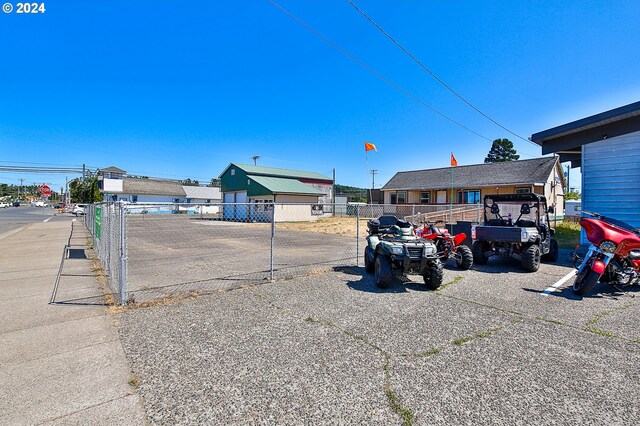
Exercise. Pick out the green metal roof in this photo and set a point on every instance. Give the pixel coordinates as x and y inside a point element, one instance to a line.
<point>284,186</point>
<point>274,171</point>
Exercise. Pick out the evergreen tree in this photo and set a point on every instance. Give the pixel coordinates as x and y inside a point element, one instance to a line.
<point>501,150</point>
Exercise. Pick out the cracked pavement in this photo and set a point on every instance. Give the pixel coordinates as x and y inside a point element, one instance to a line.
<point>334,349</point>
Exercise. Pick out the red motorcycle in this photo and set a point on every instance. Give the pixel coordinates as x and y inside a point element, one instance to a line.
<point>614,255</point>
<point>448,246</point>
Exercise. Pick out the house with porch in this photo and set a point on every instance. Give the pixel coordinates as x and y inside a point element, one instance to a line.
<point>469,184</point>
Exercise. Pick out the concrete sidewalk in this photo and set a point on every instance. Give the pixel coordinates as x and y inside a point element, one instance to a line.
<point>60,363</point>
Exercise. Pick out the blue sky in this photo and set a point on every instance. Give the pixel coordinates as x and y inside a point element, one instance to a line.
<point>179,89</point>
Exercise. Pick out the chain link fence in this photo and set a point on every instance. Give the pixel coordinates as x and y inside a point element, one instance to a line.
<point>164,250</point>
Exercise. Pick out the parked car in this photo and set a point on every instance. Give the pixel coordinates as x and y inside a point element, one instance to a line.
<point>16,203</point>
<point>4,205</point>
<point>59,205</point>
<point>79,209</point>
<point>40,204</point>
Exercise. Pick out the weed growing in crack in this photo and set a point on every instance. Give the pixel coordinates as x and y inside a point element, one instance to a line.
<point>447,284</point>
<point>552,321</point>
<point>461,341</point>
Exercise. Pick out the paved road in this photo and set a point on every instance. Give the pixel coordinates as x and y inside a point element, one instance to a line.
<point>15,217</point>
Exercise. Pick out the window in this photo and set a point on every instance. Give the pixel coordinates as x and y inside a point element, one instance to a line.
<point>425,197</point>
<point>523,190</point>
<point>233,172</point>
<point>402,197</point>
<point>188,200</point>
<point>394,198</point>
<point>469,197</point>
<point>134,198</point>
<point>208,201</point>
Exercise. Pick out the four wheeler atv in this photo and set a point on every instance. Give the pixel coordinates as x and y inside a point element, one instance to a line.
<point>393,250</point>
<point>527,238</point>
<point>449,246</point>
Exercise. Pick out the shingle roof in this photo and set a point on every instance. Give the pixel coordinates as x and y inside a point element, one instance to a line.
<point>112,169</point>
<point>152,187</point>
<point>524,172</point>
<point>202,192</point>
<point>285,186</point>
<point>277,172</point>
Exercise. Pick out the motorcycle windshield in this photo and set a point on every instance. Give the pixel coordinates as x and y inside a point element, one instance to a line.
<point>620,224</point>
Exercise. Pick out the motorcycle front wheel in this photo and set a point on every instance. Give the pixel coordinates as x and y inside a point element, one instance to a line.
<point>585,281</point>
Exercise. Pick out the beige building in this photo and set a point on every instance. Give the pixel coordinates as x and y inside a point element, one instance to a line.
<point>471,183</point>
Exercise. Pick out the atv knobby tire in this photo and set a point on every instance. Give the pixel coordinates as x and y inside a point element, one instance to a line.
<point>433,279</point>
<point>552,256</point>
<point>369,265</point>
<point>464,258</point>
<point>531,258</point>
<point>478,250</point>
<point>383,271</point>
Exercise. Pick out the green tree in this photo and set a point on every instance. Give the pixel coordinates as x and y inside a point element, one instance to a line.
<point>85,191</point>
<point>501,150</point>
<point>189,182</point>
<point>572,195</point>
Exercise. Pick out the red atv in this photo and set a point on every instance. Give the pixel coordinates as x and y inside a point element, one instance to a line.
<point>448,246</point>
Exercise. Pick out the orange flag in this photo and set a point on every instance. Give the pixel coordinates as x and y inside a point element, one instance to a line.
<point>369,146</point>
<point>454,162</point>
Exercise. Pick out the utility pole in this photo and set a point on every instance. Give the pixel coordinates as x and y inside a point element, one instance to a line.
<point>568,175</point>
<point>255,159</point>
<point>20,190</point>
<point>373,185</point>
<point>84,171</point>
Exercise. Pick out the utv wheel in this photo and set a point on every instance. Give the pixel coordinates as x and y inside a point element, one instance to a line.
<point>478,250</point>
<point>433,279</point>
<point>552,256</point>
<point>531,258</point>
<point>369,266</point>
<point>464,259</point>
<point>383,272</point>
<point>585,281</point>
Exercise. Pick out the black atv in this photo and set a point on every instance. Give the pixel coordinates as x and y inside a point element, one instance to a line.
<point>393,250</point>
<point>515,225</point>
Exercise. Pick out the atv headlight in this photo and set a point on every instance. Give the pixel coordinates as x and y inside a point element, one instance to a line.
<point>608,247</point>
<point>524,235</point>
<point>429,250</point>
<point>397,250</point>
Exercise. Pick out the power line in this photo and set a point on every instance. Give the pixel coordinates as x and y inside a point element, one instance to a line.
<point>438,79</point>
<point>374,72</point>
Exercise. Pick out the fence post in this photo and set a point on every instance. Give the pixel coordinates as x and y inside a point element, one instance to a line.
<point>357,235</point>
<point>413,213</point>
<point>273,236</point>
<point>123,257</point>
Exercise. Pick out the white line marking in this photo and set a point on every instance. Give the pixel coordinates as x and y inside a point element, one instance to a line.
<point>47,220</point>
<point>555,286</point>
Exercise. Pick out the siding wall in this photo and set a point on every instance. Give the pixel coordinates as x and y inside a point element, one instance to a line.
<point>610,177</point>
<point>413,197</point>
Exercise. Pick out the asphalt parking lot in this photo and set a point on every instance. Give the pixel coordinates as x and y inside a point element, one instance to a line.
<point>487,348</point>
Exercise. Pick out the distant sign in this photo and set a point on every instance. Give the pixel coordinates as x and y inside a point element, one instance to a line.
<point>45,191</point>
<point>98,223</point>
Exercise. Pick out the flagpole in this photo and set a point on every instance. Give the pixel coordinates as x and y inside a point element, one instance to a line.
<point>451,198</point>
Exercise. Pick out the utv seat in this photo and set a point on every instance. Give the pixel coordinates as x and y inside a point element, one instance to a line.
<point>526,223</point>
<point>497,222</point>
